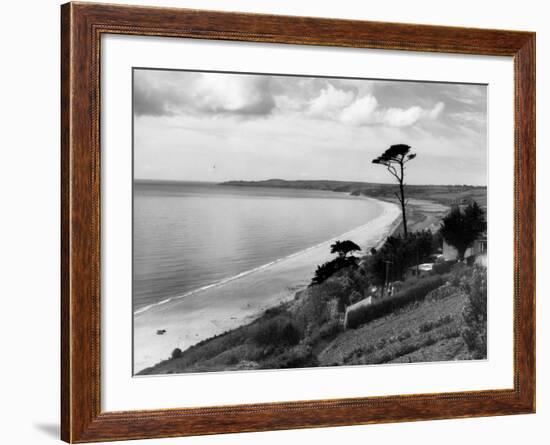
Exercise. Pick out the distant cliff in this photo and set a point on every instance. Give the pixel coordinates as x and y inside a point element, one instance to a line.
<point>444,194</point>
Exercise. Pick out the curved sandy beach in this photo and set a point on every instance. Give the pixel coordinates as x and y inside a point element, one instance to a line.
<point>219,308</point>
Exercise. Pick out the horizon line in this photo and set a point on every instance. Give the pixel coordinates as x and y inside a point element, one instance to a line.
<point>302,180</point>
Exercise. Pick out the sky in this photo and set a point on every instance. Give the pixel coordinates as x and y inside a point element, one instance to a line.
<point>200,126</point>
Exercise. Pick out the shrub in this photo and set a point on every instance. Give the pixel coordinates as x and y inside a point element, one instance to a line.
<point>450,332</point>
<point>403,252</point>
<point>430,325</point>
<point>328,269</point>
<point>381,344</point>
<point>176,353</point>
<point>442,292</point>
<point>474,313</point>
<point>406,349</point>
<point>315,307</point>
<point>429,341</point>
<point>355,297</point>
<point>313,310</point>
<point>233,359</point>
<point>443,268</point>
<point>416,292</point>
<point>330,330</point>
<point>404,336</point>
<point>458,272</point>
<point>426,327</point>
<point>278,331</point>
<point>273,311</point>
<point>300,356</point>
<point>340,287</point>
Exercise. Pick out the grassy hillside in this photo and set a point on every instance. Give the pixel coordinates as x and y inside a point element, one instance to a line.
<point>308,331</point>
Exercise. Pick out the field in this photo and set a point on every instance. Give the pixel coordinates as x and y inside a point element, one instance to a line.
<point>422,332</point>
<point>442,194</point>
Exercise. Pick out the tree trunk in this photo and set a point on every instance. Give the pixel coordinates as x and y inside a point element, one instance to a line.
<point>402,191</point>
<point>461,252</point>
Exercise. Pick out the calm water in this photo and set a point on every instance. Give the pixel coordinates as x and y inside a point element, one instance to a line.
<point>191,235</point>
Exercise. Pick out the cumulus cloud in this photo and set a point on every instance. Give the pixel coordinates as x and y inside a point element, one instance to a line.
<point>222,93</point>
<point>330,102</point>
<point>348,108</point>
<point>190,121</point>
<point>201,93</point>
<point>346,101</point>
<point>151,100</point>
<point>399,117</point>
<point>361,111</point>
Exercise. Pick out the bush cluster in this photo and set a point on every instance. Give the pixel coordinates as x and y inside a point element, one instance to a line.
<point>281,330</point>
<point>402,252</point>
<point>443,267</point>
<point>474,314</point>
<point>431,325</point>
<point>328,269</point>
<point>416,292</point>
<point>300,356</point>
<point>176,353</point>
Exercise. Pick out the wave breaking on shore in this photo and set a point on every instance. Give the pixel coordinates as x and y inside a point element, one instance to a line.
<point>234,301</point>
<point>346,235</point>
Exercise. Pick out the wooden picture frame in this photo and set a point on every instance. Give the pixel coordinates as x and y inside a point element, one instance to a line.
<point>82,25</point>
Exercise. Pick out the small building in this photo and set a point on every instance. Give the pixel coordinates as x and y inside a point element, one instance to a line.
<point>481,259</point>
<point>479,247</point>
<point>420,271</point>
<point>354,307</point>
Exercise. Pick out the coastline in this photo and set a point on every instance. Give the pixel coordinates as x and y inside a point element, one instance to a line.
<point>215,309</point>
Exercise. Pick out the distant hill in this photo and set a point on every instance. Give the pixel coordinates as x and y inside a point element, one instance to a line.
<point>444,194</point>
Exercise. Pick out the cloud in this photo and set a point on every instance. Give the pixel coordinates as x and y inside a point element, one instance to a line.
<point>305,127</point>
<point>399,117</point>
<point>330,102</point>
<point>346,101</point>
<point>158,93</point>
<point>436,110</point>
<point>361,111</point>
<point>240,94</point>
<point>149,100</point>
<point>346,107</point>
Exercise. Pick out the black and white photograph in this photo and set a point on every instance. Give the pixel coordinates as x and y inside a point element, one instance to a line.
<point>288,221</point>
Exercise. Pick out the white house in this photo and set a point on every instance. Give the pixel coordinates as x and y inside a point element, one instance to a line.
<point>420,271</point>
<point>478,248</point>
<point>356,306</point>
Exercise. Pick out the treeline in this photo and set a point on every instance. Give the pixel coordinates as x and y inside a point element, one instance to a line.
<point>460,228</point>
<point>391,261</point>
<point>394,258</point>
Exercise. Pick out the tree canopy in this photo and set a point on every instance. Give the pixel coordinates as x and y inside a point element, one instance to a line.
<point>395,154</point>
<point>342,248</point>
<point>401,252</point>
<point>460,228</point>
<point>394,159</point>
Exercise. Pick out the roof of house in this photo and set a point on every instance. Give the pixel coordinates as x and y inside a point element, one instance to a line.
<point>424,267</point>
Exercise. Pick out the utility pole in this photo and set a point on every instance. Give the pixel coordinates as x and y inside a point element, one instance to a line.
<point>417,265</point>
<point>387,281</point>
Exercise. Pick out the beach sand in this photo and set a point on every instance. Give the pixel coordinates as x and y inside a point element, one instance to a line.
<point>215,310</point>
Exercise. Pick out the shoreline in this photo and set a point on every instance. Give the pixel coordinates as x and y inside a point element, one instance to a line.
<point>241,275</point>
<point>226,305</point>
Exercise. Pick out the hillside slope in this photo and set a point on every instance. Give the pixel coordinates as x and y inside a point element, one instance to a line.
<point>283,337</point>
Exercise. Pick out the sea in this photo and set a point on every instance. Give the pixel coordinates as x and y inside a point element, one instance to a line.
<point>188,236</point>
